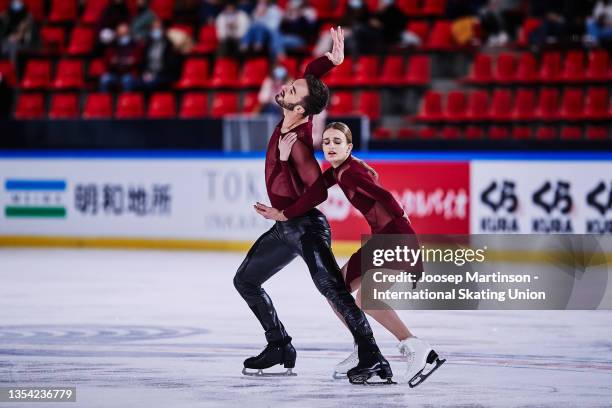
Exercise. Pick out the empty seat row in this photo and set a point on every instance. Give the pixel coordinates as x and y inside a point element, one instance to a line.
<point>553,68</point>
<point>524,105</point>
<point>347,103</point>
<point>131,105</point>
<point>496,132</point>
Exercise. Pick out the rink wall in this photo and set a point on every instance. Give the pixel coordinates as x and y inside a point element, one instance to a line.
<point>186,200</point>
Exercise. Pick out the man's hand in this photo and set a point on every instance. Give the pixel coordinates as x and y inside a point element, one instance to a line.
<point>337,53</point>
<point>285,144</point>
<point>269,213</point>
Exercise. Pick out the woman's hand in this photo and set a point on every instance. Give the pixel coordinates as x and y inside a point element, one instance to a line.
<point>284,145</point>
<point>269,213</point>
<point>336,56</point>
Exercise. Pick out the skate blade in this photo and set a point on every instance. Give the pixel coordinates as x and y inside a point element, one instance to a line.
<point>364,380</point>
<point>261,373</point>
<point>420,377</point>
<point>339,376</point>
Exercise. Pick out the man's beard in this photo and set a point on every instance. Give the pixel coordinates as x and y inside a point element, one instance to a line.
<point>280,102</point>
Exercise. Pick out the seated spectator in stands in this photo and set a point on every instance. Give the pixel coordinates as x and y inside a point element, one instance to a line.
<point>493,25</point>
<point>359,36</point>
<point>599,26</point>
<point>160,62</point>
<point>297,27</point>
<point>208,11</point>
<point>17,30</point>
<point>115,13</point>
<point>143,20</point>
<point>270,87</point>
<point>267,17</point>
<point>231,25</point>
<point>389,22</point>
<point>122,60</point>
<point>553,21</point>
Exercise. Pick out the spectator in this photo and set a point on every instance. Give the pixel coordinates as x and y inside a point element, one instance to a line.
<point>122,61</point>
<point>143,20</point>
<point>160,65</point>
<point>266,22</point>
<point>270,87</point>
<point>17,30</point>
<point>297,27</point>
<point>599,26</point>
<point>209,10</point>
<point>492,24</point>
<point>358,34</point>
<point>115,13</point>
<point>389,22</point>
<point>231,24</point>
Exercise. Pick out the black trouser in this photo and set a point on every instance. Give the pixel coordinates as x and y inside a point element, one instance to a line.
<point>309,237</point>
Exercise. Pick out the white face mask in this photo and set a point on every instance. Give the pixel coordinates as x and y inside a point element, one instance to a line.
<point>17,5</point>
<point>355,3</point>
<point>156,34</point>
<point>125,40</point>
<point>279,73</point>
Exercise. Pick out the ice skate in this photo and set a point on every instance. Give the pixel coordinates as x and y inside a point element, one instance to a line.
<point>371,362</point>
<point>272,355</point>
<point>342,367</point>
<point>421,360</point>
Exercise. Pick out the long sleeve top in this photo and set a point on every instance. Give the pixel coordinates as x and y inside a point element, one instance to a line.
<point>287,181</point>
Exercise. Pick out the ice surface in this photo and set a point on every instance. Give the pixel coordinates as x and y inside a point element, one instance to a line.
<point>167,329</point>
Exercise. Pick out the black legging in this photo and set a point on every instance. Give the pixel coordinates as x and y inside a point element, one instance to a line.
<point>309,237</point>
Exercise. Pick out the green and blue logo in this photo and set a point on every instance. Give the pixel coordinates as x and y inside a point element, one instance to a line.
<point>35,198</point>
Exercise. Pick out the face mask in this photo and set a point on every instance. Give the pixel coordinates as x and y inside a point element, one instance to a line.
<point>156,34</point>
<point>17,6</point>
<point>279,73</point>
<point>125,40</point>
<point>295,3</point>
<point>355,4</point>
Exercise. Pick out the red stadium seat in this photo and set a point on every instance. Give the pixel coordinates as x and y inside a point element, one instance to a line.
<point>420,29</point>
<point>501,105</point>
<point>598,68</point>
<point>524,105</point>
<point>597,133</point>
<point>225,73</point>
<point>130,105</point>
<point>224,103</point>
<point>428,132</point>
<point>342,75</point>
<point>407,133</point>
<point>369,104</point>
<point>8,72</point>
<point>572,105</point>
<point>382,133</point>
<point>30,106</point>
<point>522,132</point>
<point>548,104</point>
<point>98,106</point>
<point>64,106</point>
<point>409,7</point>
<point>456,106</point>
<point>36,8</point>
<point>291,65</point>
<point>207,40</point>
<point>499,132</point>
<point>596,105</point>
<point>418,71</point>
<point>195,74</point>
<point>341,103</point>
<point>82,40</point>
<point>37,74</point>
<point>392,71</point>
<point>477,107</point>
<point>93,11</point>
<point>164,9</point>
<point>96,68</point>
<point>52,39</point>
<point>434,8</point>
<point>254,71</point>
<point>451,133</point>
<point>481,70</point>
<point>573,67</point>
<point>505,68</point>
<point>250,103</point>
<point>194,105</point>
<point>366,70</point>
<point>526,71</point>
<point>474,132</point>
<point>431,107</point>
<point>63,11</point>
<point>441,37</point>
<point>571,133</point>
<point>69,75</point>
<point>325,9</point>
<point>550,69</point>
<point>529,25</point>
<point>546,133</point>
<point>162,106</point>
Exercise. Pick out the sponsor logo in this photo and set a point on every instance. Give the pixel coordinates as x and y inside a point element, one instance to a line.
<point>35,198</point>
<point>502,200</point>
<point>600,200</point>
<point>557,203</point>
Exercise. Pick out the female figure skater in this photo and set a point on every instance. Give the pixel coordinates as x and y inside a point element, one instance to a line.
<point>359,182</point>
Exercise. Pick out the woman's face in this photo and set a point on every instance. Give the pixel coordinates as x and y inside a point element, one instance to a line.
<point>335,146</point>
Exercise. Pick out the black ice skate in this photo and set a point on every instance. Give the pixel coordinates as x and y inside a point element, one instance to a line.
<point>272,355</point>
<point>371,362</point>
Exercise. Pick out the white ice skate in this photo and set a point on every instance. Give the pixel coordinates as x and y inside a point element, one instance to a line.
<point>342,367</point>
<point>421,360</point>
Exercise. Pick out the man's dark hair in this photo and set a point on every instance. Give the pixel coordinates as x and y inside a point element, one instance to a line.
<point>317,98</point>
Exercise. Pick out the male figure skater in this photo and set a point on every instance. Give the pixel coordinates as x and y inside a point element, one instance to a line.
<point>305,231</point>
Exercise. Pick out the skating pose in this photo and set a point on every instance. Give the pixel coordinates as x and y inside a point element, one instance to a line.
<point>301,230</point>
<point>359,183</point>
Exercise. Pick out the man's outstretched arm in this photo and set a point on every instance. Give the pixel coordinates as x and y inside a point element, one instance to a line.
<point>323,65</point>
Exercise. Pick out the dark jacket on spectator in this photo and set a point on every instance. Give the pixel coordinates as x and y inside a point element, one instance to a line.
<point>123,59</point>
<point>170,60</point>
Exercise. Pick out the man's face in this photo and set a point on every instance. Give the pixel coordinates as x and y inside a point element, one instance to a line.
<point>292,94</point>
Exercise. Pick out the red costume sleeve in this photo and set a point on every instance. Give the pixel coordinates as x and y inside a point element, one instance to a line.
<point>319,67</point>
<point>364,184</point>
